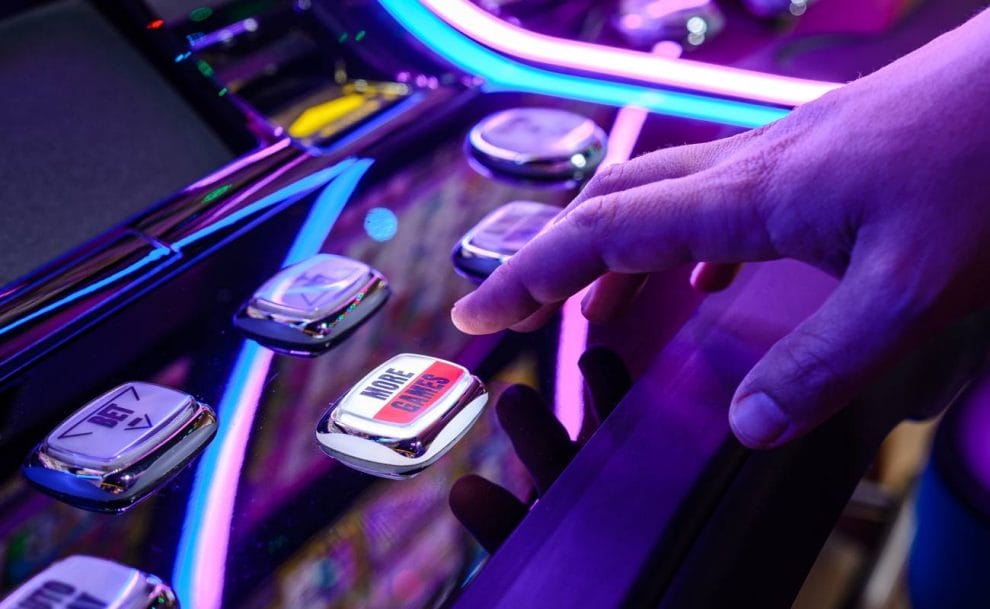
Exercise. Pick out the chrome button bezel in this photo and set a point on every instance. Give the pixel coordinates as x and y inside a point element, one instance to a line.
<point>500,142</point>
<point>87,581</point>
<point>336,312</point>
<point>395,449</point>
<point>477,262</point>
<point>170,428</point>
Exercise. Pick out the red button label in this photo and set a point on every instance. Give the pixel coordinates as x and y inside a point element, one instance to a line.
<point>420,394</point>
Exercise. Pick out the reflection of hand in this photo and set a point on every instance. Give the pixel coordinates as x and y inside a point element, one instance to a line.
<point>883,182</point>
<point>491,512</point>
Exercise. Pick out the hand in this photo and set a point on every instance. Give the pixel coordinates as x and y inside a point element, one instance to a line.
<point>884,183</point>
<point>491,512</point>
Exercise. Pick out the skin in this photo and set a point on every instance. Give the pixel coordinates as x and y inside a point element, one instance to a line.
<point>884,183</point>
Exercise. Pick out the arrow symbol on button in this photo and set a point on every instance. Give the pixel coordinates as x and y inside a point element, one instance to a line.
<point>139,423</point>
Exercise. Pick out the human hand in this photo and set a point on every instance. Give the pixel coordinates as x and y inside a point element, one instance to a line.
<point>884,183</point>
<point>491,512</point>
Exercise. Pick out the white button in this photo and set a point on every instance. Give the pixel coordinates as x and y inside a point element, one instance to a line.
<point>499,235</point>
<point>402,416</point>
<point>310,306</point>
<point>86,582</point>
<point>118,448</point>
<point>121,426</point>
<point>507,229</point>
<point>314,287</point>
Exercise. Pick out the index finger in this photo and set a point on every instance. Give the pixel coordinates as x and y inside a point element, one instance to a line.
<point>710,216</point>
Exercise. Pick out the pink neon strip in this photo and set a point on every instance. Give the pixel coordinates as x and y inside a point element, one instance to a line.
<point>211,547</point>
<point>569,390</point>
<point>611,62</point>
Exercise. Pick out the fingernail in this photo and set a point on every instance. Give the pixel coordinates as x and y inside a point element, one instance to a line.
<point>758,420</point>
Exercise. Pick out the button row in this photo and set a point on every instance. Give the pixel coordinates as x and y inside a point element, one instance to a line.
<point>398,420</point>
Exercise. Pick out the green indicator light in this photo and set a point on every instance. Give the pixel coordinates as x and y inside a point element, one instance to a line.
<point>216,193</point>
<point>343,38</point>
<point>201,14</point>
<point>204,68</point>
<point>222,92</point>
<point>359,36</point>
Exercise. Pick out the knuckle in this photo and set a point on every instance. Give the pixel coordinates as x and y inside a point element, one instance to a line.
<point>905,292</point>
<point>811,361</point>
<point>595,216</point>
<point>607,180</point>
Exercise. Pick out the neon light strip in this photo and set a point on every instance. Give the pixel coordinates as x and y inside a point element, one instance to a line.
<point>156,254</point>
<point>609,62</point>
<point>501,73</point>
<point>201,556</point>
<point>297,188</point>
<point>569,384</point>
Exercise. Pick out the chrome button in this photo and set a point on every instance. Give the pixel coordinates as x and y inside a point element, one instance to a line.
<point>86,582</point>
<point>539,143</point>
<point>403,416</point>
<point>119,447</point>
<point>499,235</point>
<point>310,306</point>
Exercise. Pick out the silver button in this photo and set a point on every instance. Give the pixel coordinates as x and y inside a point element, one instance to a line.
<point>499,235</point>
<point>539,143</point>
<point>86,582</point>
<point>403,416</point>
<point>119,447</point>
<point>310,306</point>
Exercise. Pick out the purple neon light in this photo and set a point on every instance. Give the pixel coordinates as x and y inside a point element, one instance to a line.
<point>569,388</point>
<point>517,42</point>
<point>224,34</point>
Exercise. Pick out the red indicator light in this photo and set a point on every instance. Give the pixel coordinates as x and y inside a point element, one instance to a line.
<point>156,24</point>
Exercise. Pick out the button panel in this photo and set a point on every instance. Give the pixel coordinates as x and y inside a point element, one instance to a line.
<point>402,416</point>
<point>499,236</point>
<point>119,447</point>
<point>310,306</point>
<point>544,143</point>
<point>86,582</point>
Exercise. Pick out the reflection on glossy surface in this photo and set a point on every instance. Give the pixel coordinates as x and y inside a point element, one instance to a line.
<point>199,567</point>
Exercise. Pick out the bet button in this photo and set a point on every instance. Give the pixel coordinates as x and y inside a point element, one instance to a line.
<point>119,447</point>
<point>86,582</point>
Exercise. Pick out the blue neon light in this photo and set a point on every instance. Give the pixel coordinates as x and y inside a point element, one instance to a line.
<point>309,240</point>
<point>297,188</point>
<point>501,73</point>
<point>156,254</point>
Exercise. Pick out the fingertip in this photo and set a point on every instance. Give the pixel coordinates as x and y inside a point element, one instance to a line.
<point>467,319</point>
<point>758,421</point>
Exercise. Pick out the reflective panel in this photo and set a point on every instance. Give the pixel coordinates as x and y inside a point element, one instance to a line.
<point>499,236</point>
<point>539,142</point>
<point>402,416</point>
<point>310,306</point>
<point>121,446</point>
<point>86,582</point>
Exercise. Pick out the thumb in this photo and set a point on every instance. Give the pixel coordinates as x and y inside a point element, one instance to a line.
<point>816,370</point>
